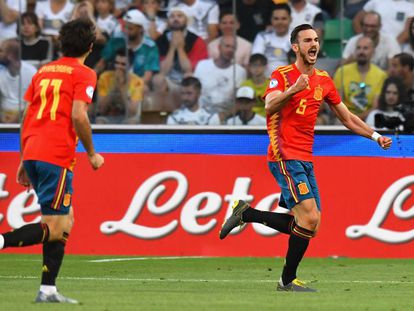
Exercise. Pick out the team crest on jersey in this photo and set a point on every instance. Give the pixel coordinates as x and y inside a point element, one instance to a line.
<point>273,83</point>
<point>303,188</point>
<point>317,95</point>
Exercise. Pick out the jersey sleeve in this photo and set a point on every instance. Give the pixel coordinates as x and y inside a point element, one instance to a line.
<point>276,83</point>
<point>332,97</point>
<point>84,83</point>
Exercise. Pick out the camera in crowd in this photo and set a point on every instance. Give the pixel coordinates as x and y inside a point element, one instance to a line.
<point>395,123</point>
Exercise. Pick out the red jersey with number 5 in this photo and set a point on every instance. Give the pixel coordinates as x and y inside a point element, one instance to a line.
<point>48,134</point>
<point>291,130</point>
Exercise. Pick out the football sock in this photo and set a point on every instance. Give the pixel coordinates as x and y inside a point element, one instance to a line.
<point>48,289</point>
<point>27,235</point>
<point>53,253</point>
<point>298,243</point>
<point>278,221</point>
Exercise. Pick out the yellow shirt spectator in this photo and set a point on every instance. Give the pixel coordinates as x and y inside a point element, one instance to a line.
<point>359,94</point>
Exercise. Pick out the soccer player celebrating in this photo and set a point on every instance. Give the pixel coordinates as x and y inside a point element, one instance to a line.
<point>56,114</point>
<point>292,100</point>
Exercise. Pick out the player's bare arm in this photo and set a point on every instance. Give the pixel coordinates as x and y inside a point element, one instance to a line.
<point>83,130</point>
<point>276,100</point>
<point>358,126</point>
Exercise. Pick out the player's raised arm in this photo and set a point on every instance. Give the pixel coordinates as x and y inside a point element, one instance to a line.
<point>83,130</point>
<point>358,126</point>
<point>276,100</point>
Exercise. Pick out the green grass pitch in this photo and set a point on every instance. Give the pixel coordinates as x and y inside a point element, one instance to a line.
<point>162,283</point>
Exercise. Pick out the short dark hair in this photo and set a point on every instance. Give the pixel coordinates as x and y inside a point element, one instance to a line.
<point>402,93</point>
<point>257,57</point>
<point>226,12</point>
<point>191,81</point>
<point>281,6</point>
<point>296,30</point>
<point>405,59</point>
<point>76,37</point>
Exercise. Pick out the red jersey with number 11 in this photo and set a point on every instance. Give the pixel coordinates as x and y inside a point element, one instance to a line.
<point>48,134</point>
<point>291,130</point>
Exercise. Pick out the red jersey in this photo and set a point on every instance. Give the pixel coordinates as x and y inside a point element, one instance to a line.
<point>291,130</point>
<point>48,134</point>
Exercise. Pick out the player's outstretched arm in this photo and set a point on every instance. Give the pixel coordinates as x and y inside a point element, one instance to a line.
<point>83,130</point>
<point>358,126</point>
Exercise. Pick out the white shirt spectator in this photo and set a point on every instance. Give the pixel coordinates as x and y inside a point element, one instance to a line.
<point>394,14</point>
<point>11,86</point>
<point>188,117</point>
<point>256,120</point>
<point>52,22</point>
<point>306,16</point>
<point>108,24</point>
<point>275,49</point>
<point>202,13</point>
<point>9,31</point>
<point>387,47</point>
<point>217,85</point>
<point>243,50</point>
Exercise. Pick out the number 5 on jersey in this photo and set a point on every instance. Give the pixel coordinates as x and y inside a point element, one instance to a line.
<point>44,84</point>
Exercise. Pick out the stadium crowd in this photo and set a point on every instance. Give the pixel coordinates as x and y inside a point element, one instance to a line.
<point>201,62</point>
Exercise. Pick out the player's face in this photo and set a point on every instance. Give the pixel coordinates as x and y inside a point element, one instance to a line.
<point>280,21</point>
<point>189,96</point>
<point>391,95</point>
<point>308,46</point>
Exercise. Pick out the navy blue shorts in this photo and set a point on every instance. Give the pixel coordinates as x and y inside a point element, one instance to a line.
<point>297,182</point>
<point>53,186</point>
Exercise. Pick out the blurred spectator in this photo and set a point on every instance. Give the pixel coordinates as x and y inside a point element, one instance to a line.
<point>275,43</point>
<point>156,25</point>
<point>245,101</point>
<point>303,12</point>
<point>15,77</point>
<point>392,94</point>
<point>360,82</point>
<point>204,17</point>
<point>352,7</point>
<point>105,19</point>
<point>180,51</point>
<point>146,59</point>
<point>190,112</point>
<point>254,16</point>
<point>35,49</point>
<point>402,66</point>
<point>385,45</point>
<point>409,46</point>
<point>52,15</point>
<point>258,81</point>
<point>228,25</point>
<point>122,6</point>
<point>85,9</point>
<point>394,15</point>
<point>10,11</point>
<point>120,93</point>
<point>219,77</point>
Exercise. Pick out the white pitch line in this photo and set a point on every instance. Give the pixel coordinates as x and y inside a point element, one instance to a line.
<point>147,258</point>
<point>25,277</point>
